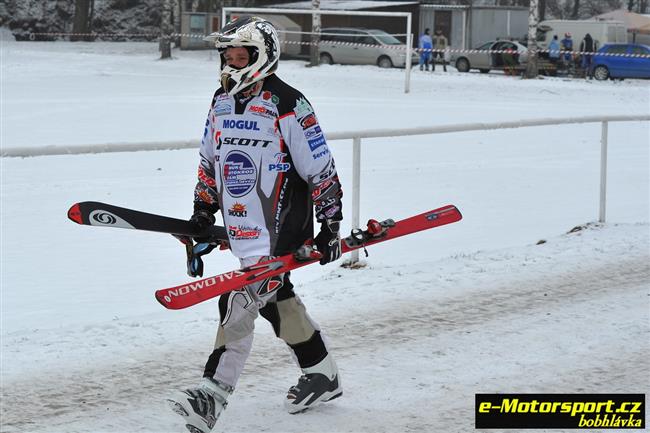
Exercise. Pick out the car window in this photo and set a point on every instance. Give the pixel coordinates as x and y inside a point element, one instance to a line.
<point>367,40</point>
<point>617,49</point>
<point>339,35</point>
<point>503,46</point>
<point>385,38</point>
<point>333,34</point>
<point>485,46</point>
<point>639,50</point>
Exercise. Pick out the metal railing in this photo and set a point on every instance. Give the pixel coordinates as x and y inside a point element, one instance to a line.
<point>356,137</point>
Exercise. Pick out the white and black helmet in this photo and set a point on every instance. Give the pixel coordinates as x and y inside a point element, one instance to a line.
<point>260,38</point>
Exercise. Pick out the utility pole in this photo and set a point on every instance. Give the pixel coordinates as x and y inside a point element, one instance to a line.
<point>315,36</point>
<point>531,66</point>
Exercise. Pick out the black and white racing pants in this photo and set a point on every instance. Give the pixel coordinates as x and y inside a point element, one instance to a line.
<point>276,301</point>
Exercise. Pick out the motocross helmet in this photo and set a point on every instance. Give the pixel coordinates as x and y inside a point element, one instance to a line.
<point>260,38</point>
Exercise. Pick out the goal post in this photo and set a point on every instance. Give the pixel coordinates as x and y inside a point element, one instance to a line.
<point>225,12</point>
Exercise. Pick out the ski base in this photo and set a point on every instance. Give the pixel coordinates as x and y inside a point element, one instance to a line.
<point>192,293</point>
<point>93,213</point>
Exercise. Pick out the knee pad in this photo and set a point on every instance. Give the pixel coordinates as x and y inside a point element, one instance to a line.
<point>238,313</point>
<point>290,320</point>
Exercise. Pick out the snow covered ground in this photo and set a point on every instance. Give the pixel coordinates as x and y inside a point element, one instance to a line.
<point>477,306</point>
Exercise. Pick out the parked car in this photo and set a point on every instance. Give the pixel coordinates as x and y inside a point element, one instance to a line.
<point>484,61</point>
<point>386,51</point>
<point>604,67</point>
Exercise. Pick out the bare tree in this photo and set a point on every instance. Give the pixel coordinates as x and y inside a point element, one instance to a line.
<point>542,10</point>
<point>165,43</point>
<point>531,66</point>
<point>80,24</point>
<point>576,10</point>
<point>315,36</point>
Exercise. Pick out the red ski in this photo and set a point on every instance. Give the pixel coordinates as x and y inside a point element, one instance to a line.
<point>189,294</point>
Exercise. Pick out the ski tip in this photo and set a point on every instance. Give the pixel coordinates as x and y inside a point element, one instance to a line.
<point>74,213</point>
<point>165,301</point>
<point>460,215</point>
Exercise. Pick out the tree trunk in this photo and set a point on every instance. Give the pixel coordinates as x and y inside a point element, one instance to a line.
<point>576,9</point>
<point>542,10</point>
<point>165,44</point>
<point>630,5</point>
<point>80,20</point>
<point>315,36</point>
<point>531,66</point>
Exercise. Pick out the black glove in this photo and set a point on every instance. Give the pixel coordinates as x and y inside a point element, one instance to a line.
<point>201,220</point>
<point>328,241</point>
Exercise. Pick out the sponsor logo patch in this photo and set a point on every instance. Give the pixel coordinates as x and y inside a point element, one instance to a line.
<point>308,121</point>
<point>238,141</point>
<point>266,95</point>
<point>280,165</point>
<point>238,210</point>
<point>321,188</point>
<point>239,174</point>
<point>310,133</point>
<point>240,124</point>
<point>241,232</point>
<point>222,108</point>
<point>205,196</point>
<point>261,111</point>
<point>320,154</point>
<point>206,178</point>
<point>302,108</point>
<point>317,142</point>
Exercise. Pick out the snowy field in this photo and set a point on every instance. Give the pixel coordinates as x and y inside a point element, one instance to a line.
<point>474,307</point>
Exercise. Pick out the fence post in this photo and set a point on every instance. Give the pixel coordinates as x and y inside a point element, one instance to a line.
<point>356,189</point>
<point>603,172</point>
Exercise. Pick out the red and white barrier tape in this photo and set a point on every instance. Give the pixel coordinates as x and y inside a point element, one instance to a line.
<point>561,53</point>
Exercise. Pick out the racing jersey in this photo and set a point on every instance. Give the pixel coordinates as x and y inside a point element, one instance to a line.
<point>265,164</point>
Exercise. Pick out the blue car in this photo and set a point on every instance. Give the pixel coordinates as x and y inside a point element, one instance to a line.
<point>604,67</point>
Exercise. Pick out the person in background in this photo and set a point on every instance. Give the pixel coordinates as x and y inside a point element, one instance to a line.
<point>425,45</point>
<point>567,45</point>
<point>510,60</point>
<point>587,47</point>
<point>439,47</point>
<point>554,53</point>
<point>554,50</point>
<point>266,166</point>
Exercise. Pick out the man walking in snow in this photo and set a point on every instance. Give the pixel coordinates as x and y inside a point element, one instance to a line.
<point>266,166</point>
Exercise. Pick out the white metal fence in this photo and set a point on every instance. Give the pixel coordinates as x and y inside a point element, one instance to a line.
<point>356,137</point>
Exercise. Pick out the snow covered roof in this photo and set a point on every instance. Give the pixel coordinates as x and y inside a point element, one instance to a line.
<point>349,5</point>
<point>632,21</point>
